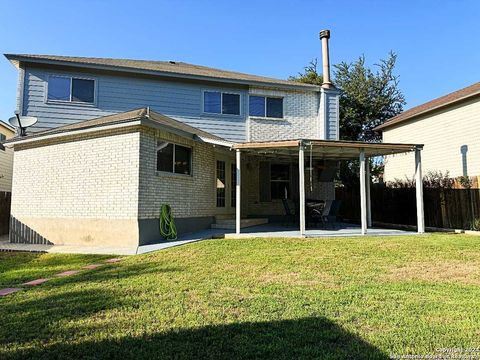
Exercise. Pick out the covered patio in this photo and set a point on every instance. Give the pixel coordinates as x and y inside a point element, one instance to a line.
<point>326,150</point>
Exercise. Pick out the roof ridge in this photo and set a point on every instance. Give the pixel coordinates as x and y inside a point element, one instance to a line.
<point>431,105</point>
<point>174,67</point>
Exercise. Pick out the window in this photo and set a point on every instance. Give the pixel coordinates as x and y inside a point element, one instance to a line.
<point>220,183</point>
<point>2,139</point>
<point>233,182</point>
<point>174,158</point>
<point>70,89</point>
<point>221,103</point>
<point>264,106</point>
<point>280,181</point>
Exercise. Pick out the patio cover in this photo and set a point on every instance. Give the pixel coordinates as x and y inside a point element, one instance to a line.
<point>326,149</point>
<point>333,150</point>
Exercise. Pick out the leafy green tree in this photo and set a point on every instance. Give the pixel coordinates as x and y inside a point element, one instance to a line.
<point>309,75</point>
<point>368,98</point>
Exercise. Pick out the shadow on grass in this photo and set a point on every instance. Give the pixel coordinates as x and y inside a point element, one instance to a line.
<point>43,317</point>
<point>46,308</point>
<point>313,337</point>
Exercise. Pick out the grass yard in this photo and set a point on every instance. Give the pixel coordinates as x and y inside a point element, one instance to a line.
<point>249,298</point>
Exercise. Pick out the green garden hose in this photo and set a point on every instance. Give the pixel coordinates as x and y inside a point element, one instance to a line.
<point>168,229</point>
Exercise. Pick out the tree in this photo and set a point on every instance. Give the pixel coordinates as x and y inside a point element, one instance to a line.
<point>310,75</point>
<point>368,98</point>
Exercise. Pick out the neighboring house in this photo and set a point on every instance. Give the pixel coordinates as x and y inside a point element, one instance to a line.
<point>449,129</point>
<point>6,157</point>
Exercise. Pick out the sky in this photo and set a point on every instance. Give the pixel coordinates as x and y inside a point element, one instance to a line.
<point>437,42</point>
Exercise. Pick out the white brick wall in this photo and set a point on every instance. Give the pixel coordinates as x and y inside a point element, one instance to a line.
<point>88,177</point>
<point>301,118</point>
<point>189,196</point>
<point>443,133</point>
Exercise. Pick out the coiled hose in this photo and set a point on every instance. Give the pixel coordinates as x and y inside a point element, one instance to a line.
<point>168,230</point>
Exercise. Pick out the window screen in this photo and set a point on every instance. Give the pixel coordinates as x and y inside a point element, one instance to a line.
<point>59,88</point>
<point>83,90</point>
<point>256,106</point>
<point>231,104</point>
<point>174,158</point>
<point>212,102</point>
<point>275,107</point>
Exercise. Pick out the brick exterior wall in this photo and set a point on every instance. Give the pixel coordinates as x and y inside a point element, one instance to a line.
<point>189,196</point>
<point>443,133</point>
<point>300,119</point>
<point>71,190</point>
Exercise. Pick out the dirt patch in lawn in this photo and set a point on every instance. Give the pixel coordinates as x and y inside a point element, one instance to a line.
<point>446,271</point>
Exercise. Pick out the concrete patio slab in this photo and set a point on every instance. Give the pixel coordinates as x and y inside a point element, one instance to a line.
<point>267,230</point>
<point>35,282</point>
<point>8,291</point>
<point>341,230</point>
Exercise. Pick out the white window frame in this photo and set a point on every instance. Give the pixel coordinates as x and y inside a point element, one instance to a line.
<point>173,173</point>
<point>221,103</point>
<point>71,77</point>
<point>265,107</point>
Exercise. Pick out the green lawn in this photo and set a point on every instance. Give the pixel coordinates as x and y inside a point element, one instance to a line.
<point>279,298</point>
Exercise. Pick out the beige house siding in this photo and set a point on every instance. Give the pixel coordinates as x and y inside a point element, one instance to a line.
<point>443,134</point>
<point>6,162</point>
<point>80,190</point>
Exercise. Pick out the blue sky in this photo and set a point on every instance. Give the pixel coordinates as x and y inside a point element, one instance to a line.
<point>437,42</point>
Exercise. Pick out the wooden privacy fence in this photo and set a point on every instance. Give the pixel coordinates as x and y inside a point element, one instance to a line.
<point>444,208</point>
<point>5,201</point>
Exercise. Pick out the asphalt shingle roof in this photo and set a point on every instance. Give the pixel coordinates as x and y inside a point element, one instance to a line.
<point>124,117</point>
<point>166,67</point>
<point>442,101</point>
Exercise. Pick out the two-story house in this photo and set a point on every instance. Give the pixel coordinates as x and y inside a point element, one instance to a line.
<point>116,139</point>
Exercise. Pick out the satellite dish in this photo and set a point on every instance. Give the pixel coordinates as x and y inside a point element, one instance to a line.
<point>22,123</point>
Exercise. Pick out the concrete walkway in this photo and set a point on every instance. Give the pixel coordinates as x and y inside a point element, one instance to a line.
<point>5,245</point>
<point>67,273</point>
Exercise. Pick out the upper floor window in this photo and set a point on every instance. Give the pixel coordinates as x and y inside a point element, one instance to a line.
<point>61,88</point>
<point>264,106</point>
<point>174,158</point>
<point>221,103</point>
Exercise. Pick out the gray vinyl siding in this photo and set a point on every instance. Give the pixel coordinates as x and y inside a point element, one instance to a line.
<point>181,101</point>
<point>332,113</point>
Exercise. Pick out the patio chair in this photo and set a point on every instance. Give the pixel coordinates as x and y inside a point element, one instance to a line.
<point>291,215</point>
<point>330,213</point>
<point>314,211</point>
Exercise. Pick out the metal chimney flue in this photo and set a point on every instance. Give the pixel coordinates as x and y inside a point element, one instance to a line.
<point>324,36</point>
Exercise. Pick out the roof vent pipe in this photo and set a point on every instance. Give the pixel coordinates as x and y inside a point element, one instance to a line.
<point>324,36</point>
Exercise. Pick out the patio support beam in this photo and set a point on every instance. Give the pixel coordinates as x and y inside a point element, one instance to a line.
<point>369,202</point>
<point>238,208</point>
<point>301,180</point>
<point>363,193</point>
<point>419,190</point>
